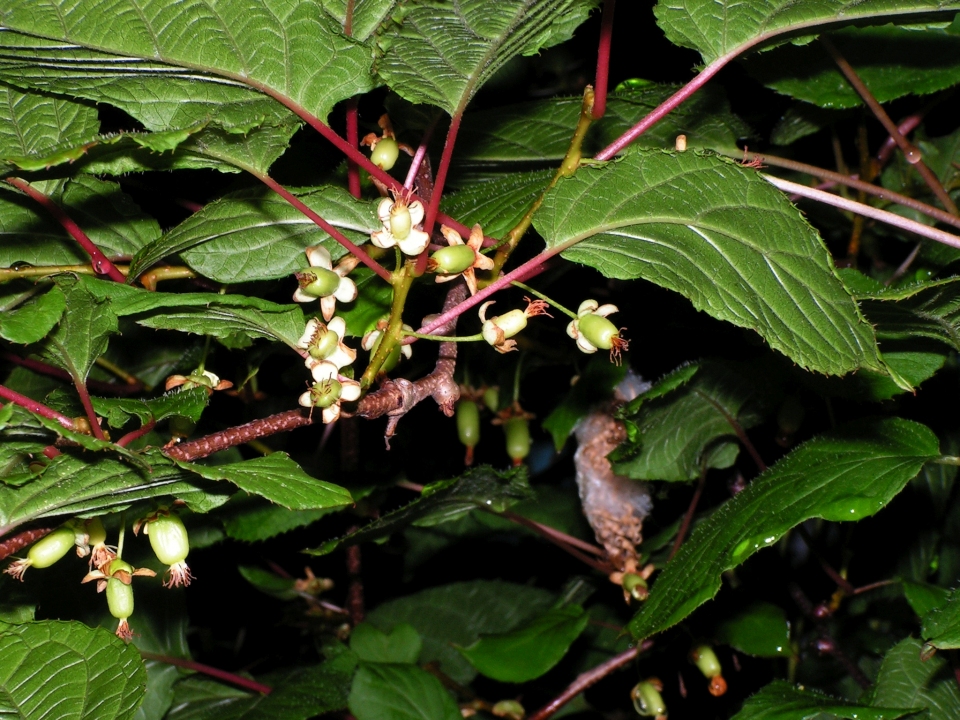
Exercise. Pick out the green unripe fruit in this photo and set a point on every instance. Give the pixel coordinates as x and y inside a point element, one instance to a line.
<point>96,534</point>
<point>119,594</point>
<point>168,538</point>
<point>468,422</point>
<point>635,586</point>
<point>324,345</point>
<point>50,548</point>
<point>510,709</point>
<point>598,330</point>
<point>517,430</point>
<point>385,154</point>
<point>454,259</point>
<point>647,700</point>
<point>706,661</point>
<point>491,398</point>
<point>400,221</point>
<point>324,283</point>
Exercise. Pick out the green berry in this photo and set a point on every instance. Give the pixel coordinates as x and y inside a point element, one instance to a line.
<point>517,430</point>
<point>647,700</point>
<point>324,344</point>
<point>468,427</point>
<point>168,538</point>
<point>385,154</point>
<point>598,330</point>
<point>706,661</point>
<point>635,586</point>
<point>119,593</point>
<point>50,548</point>
<point>454,259</point>
<point>491,398</point>
<point>319,282</point>
<point>400,221</point>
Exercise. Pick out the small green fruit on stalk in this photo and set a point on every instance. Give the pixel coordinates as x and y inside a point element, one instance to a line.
<point>120,596</point>
<point>45,551</point>
<point>468,427</point>
<point>170,543</point>
<point>647,700</point>
<point>517,430</point>
<point>706,661</point>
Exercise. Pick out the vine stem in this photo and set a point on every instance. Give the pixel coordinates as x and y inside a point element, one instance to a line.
<point>133,435</point>
<point>88,408</point>
<point>603,60</point>
<point>548,300</point>
<point>688,516</point>
<point>99,262</point>
<point>441,178</point>
<point>356,250</point>
<point>444,338</point>
<point>420,154</point>
<point>45,369</point>
<point>35,407</point>
<point>589,678</point>
<point>866,210</point>
<point>909,150</point>
<point>237,680</point>
<point>856,184</point>
<point>353,136</point>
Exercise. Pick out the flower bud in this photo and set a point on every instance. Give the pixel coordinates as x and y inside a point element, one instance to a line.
<point>510,709</point>
<point>706,661</point>
<point>400,221</point>
<point>635,586</point>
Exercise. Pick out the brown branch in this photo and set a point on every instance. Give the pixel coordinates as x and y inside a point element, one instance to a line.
<point>688,516</point>
<point>19,541</point>
<point>589,678</point>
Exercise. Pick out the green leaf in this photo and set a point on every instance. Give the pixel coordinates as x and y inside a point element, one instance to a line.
<point>741,252</point>
<point>35,124</point>
<point>458,614</point>
<point>373,303</point>
<point>71,485</point>
<point>278,479</point>
<point>290,50</point>
<point>529,651</point>
<point>30,322</point>
<point>843,476</point>
<point>924,597</point>
<point>905,680</point>
<point>442,53</point>
<point>256,235</point>
<point>298,694</point>
<point>66,669</point>
<point>83,333</point>
<point>188,404</point>
<point>781,700</point>
<point>108,216</point>
<point>540,131</point>
<point>595,383</point>
<point>930,310</point>
<point>673,436</point>
<point>367,14</point>
<point>281,588</point>
<point>728,28</point>
<point>401,645</point>
<point>940,626</point>
<point>892,62</point>
<point>499,204</point>
<point>442,501</point>
<point>761,630</point>
<point>253,519</point>
<point>800,121</point>
<point>399,692</point>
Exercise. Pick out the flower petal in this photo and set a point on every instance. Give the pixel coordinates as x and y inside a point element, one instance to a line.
<point>416,212</point>
<point>483,262</point>
<point>301,297</point>
<point>588,347</point>
<point>476,238</point>
<point>573,330</point>
<point>451,235</point>
<point>415,243</point>
<point>331,414</point>
<point>339,326</point>
<point>605,310</point>
<point>312,326</point>
<point>342,356</point>
<point>306,400</point>
<point>323,371</point>
<point>328,306</point>
<point>319,256</point>
<point>383,239</point>
<point>350,391</point>
<point>587,306</point>
<point>346,291</point>
<point>383,211</point>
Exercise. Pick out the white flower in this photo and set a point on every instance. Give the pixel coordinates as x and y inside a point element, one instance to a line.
<point>399,220</point>
<point>592,330</point>
<point>329,390</point>
<point>324,281</point>
<point>325,343</point>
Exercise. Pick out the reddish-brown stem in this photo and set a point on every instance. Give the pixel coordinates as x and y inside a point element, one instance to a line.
<point>50,452</point>
<point>355,589</point>
<point>740,432</point>
<point>664,109</point>
<point>19,541</point>
<point>97,385</point>
<point>100,263</point>
<point>603,60</point>
<point>134,434</point>
<point>353,136</point>
<point>231,437</point>
<point>910,151</point>
<point>420,154</point>
<point>688,516</point>
<point>438,183</point>
<point>562,541</point>
<point>356,250</point>
<point>238,680</point>
<point>35,407</point>
<point>589,678</point>
<point>907,126</point>
<point>88,409</point>
<point>873,586</point>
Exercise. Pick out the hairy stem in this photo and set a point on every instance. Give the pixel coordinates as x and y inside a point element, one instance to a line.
<point>603,60</point>
<point>402,281</point>
<point>134,434</point>
<point>88,408</point>
<point>909,150</point>
<point>35,407</point>
<point>100,263</point>
<point>866,210</point>
<point>238,680</point>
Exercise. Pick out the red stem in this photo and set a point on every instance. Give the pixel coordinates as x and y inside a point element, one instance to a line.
<point>664,109</point>
<point>906,127</point>
<point>688,517</point>
<point>353,137</point>
<point>133,435</point>
<point>45,369</point>
<point>101,265</point>
<point>358,252</point>
<point>603,60</point>
<point>434,207</point>
<point>237,680</point>
<point>35,407</point>
<point>88,409</point>
<point>420,154</point>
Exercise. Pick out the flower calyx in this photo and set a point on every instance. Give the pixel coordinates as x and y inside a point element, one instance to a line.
<point>329,390</point>
<point>593,331</point>
<point>119,570</point>
<point>460,258</point>
<point>325,282</point>
<point>324,343</point>
<point>498,330</point>
<point>91,541</point>
<point>198,378</point>
<point>384,149</point>
<point>400,218</point>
